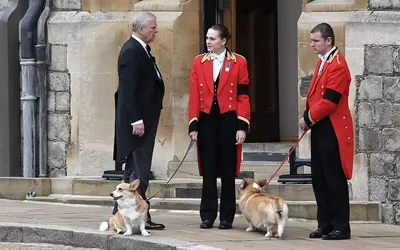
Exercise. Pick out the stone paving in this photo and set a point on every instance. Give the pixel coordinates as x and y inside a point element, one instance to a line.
<point>184,225</point>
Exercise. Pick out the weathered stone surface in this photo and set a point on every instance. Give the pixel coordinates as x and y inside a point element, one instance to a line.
<point>382,164</point>
<point>59,127</point>
<point>63,102</point>
<point>47,235</point>
<point>11,234</point>
<point>58,58</point>
<point>383,113</point>
<point>67,4</point>
<point>384,4</point>
<point>391,139</point>
<point>368,139</point>
<point>396,114</point>
<point>391,88</point>
<point>394,190</point>
<point>57,172</point>
<point>51,101</point>
<point>387,211</point>
<point>366,113</point>
<point>56,154</point>
<point>59,81</point>
<point>397,217</point>
<point>378,189</point>
<point>398,165</point>
<point>379,59</point>
<point>371,88</point>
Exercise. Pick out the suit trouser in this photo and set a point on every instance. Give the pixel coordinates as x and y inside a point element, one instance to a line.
<point>217,151</point>
<point>328,179</point>
<point>138,164</point>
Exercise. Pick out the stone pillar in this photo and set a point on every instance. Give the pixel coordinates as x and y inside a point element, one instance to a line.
<point>372,49</point>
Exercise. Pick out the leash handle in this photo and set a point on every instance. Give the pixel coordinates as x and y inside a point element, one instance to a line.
<point>183,159</point>
<point>287,156</point>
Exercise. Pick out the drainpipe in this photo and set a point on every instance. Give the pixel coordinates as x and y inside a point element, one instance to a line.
<point>28,98</point>
<point>42,56</point>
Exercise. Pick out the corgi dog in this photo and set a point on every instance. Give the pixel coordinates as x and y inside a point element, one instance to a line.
<point>261,209</point>
<point>132,211</point>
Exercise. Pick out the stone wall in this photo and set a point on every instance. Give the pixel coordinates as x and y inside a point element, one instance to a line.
<point>378,130</point>
<point>59,110</point>
<point>86,38</point>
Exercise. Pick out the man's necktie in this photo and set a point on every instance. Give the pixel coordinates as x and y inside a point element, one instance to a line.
<point>153,59</point>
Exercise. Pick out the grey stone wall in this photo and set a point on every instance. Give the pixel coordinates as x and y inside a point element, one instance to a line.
<point>59,108</point>
<point>384,5</point>
<point>378,126</point>
<point>67,4</point>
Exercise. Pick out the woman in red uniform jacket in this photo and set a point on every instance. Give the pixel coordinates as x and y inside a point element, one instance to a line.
<point>219,118</point>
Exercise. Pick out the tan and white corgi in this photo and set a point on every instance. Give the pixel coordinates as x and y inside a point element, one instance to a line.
<point>261,209</point>
<point>132,211</point>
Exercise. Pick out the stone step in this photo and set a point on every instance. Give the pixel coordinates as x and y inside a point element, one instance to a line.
<point>359,210</point>
<point>262,169</point>
<point>177,188</point>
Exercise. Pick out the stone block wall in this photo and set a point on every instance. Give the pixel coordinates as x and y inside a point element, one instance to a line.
<point>378,126</point>
<point>59,110</point>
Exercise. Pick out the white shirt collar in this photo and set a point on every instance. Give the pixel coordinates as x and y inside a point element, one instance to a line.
<point>325,57</point>
<point>219,57</point>
<point>140,41</point>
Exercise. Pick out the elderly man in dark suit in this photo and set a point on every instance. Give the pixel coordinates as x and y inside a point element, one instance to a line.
<point>138,105</point>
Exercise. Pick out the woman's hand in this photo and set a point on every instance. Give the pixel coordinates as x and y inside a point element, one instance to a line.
<point>240,136</point>
<point>193,135</point>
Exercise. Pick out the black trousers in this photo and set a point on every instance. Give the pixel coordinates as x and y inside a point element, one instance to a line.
<point>217,155</point>
<point>138,164</point>
<point>328,179</point>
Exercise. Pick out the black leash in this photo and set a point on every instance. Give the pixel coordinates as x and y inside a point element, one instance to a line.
<point>180,164</point>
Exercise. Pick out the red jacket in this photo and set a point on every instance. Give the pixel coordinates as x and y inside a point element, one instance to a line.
<point>328,96</point>
<point>232,93</point>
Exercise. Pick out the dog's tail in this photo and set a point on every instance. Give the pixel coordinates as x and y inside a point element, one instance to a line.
<point>282,209</point>
<point>103,226</point>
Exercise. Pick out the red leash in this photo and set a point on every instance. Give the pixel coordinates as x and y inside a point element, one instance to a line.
<point>287,156</point>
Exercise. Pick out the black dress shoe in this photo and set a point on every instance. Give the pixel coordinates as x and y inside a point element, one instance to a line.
<point>154,226</point>
<point>206,224</point>
<point>225,225</point>
<point>318,233</point>
<point>336,235</point>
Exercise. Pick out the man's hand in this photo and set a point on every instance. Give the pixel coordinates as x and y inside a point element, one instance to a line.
<point>193,135</point>
<point>240,137</point>
<point>303,125</point>
<point>138,129</point>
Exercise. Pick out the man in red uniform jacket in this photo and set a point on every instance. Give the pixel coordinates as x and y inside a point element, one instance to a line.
<point>219,118</point>
<point>332,140</point>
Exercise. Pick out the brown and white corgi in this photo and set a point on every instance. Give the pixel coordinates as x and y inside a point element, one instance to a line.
<point>261,209</point>
<point>132,211</point>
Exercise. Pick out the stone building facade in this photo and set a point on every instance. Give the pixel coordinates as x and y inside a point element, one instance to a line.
<point>86,36</point>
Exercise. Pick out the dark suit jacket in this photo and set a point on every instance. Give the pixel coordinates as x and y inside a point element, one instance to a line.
<point>139,96</point>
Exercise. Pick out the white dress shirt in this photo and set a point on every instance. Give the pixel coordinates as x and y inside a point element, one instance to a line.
<point>324,58</point>
<point>218,60</point>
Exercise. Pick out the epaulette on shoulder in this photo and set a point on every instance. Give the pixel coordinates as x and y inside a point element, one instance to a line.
<point>206,56</point>
<point>199,55</point>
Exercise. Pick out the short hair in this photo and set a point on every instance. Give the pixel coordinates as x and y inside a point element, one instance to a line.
<point>222,31</point>
<point>142,19</point>
<point>325,30</point>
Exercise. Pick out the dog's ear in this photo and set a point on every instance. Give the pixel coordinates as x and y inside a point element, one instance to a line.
<point>262,182</point>
<point>242,183</point>
<point>122,181</point>
<point>134,184</point>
